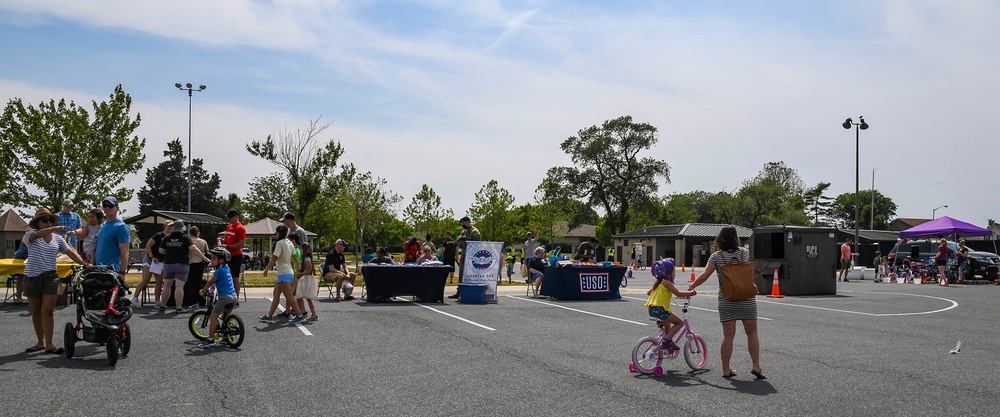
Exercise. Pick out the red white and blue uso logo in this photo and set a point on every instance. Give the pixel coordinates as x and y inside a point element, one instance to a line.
<point>594,282</point>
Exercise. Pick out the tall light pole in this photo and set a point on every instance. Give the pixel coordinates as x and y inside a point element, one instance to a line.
<point>934,212</point>
<point>858,127</point>
<point>873,199</point>
<point>190,89</point>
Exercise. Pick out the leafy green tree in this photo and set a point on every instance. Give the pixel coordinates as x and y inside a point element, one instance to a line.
<point>842,210</point>
<point>608,170</point>
<point>645,214</point>
<point>267,197</point>
<point>603,233</point>
<point>490,213</point>
<point>394,232</point>
<point>817,204</point>
<point>305,163</point>
<point>166,185</point>
<point>13,189</point>
<point>425,214</point>
<point>368,201</point>
<point>761,200</point>
<point>680,209</point>
<point>59,151</point>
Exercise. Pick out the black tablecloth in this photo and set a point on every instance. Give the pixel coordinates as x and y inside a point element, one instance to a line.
<point>582,283</point>
<point>424,282</point>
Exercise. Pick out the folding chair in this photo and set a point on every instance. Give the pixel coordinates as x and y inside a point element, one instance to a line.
<point>243,287</point>
<point>330,286</point>
<point>11,292</point>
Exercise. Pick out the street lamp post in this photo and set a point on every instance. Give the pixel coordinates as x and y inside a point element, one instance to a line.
<point>934,212</point>
<point>858,127</point>
<point>190,89</point>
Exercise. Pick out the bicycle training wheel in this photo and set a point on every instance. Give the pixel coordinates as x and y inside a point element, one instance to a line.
<point>234,331</point>
<point>696,352</point>
<point>198,325</point>
<point>646,355</point>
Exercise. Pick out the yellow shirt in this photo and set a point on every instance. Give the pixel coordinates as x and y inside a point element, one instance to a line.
<point>660,297</point>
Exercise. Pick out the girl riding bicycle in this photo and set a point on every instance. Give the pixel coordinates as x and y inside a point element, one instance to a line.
<point>659,299</point>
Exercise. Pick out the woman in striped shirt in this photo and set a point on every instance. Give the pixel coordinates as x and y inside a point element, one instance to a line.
<point>41,280</point>
<point>745,311</point>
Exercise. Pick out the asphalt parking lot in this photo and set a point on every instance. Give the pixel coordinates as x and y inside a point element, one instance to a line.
<point>872,349</point>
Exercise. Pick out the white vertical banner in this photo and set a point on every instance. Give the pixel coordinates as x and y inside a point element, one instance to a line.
<point>483,263</point>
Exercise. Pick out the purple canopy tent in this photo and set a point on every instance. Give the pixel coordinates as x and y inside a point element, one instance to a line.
<point>944,226</point>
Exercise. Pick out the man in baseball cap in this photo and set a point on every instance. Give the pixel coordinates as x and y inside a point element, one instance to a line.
<point>71,221</point>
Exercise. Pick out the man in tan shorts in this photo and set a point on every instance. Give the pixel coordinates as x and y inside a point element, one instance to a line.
<point>337,270</point>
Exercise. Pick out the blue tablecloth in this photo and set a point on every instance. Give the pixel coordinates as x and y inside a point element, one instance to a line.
<point>582,283</point>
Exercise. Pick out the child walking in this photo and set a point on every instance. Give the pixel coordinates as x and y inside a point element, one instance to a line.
<point>308,283</point>
<point>660,295</point>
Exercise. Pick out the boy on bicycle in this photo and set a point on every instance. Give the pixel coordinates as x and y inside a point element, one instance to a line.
<point>659,299</point>
<point>225,293</point>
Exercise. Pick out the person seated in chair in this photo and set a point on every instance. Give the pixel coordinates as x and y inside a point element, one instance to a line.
<point>536,268</point>
<point>337,270</point>
<point>426,256</point>
<point>381,257</point>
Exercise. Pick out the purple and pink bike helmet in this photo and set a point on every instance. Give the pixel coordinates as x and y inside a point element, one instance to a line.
<point>663,269</point>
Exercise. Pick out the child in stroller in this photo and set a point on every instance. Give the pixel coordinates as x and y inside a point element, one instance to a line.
<point>104,305</point>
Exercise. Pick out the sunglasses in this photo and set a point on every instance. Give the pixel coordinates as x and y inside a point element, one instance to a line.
<point>108,205</point>
<point>427,251</point>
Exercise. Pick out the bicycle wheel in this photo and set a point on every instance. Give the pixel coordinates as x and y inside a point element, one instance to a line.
<point>646,355</point>
<point>234,331</point>
<point>126,339</point>
<point>696,352</point>
<point>198,325</point>
<point>112,348</point>
<point>625,281</point>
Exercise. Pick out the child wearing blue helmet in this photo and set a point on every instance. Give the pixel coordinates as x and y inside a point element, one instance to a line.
<point>659,299</point>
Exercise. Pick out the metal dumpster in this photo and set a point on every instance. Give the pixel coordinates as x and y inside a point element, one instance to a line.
<point>805,258</point>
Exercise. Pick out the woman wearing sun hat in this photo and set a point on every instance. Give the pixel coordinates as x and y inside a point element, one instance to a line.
<point>41,282</point>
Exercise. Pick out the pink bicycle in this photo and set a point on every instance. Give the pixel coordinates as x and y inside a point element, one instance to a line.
<point>649,352</point>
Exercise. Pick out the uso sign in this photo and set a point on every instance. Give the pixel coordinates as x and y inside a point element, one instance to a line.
<point>591,282</point>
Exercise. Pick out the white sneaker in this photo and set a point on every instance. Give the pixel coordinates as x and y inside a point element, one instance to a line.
<point>158,306</point>
<point>135,302</point>
<point>208,344</point>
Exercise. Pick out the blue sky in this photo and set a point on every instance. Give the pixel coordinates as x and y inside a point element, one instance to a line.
<point>455,93</point>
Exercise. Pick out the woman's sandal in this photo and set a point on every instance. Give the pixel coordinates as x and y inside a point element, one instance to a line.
<point>34,349</point>
<point>758,374</point>
<point>730,374</point>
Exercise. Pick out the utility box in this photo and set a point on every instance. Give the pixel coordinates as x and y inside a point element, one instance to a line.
<point>805,257</point>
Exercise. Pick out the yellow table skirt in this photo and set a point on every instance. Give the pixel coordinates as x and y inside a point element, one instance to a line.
<point>16,266</point>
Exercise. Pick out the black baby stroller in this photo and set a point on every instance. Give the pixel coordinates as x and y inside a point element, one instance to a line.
<point>104,304</point>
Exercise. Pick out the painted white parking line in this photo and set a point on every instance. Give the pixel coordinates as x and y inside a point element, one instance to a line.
<point>697,308</point>
<point>301,327</point>
<point>953,305</point>
<point>578,311</point>
<point>452,316</point>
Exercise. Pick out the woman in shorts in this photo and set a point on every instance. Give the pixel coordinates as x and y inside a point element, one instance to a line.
<point>281,260</point>
<point>941,260</point>
<point>41,282</point>
<point>177,249</point>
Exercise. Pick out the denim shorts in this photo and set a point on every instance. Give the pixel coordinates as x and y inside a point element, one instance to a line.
<point>285,278</point>
<point>46,283</point>
<point>659,312</point>
<point>536,276</point>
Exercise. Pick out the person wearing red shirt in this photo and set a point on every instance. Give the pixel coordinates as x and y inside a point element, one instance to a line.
<point>235,238</point>
<point>845,259</point>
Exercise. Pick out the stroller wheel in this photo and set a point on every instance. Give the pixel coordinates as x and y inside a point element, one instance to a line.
<point>112,348</point>
<point>69,340</point>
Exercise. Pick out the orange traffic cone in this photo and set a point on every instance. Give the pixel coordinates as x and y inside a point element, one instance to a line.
<point>692,277</point>
<point>682,268</point>
<point>775,292</point>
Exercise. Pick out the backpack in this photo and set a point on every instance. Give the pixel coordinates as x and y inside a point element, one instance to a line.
<point>737,279</point>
